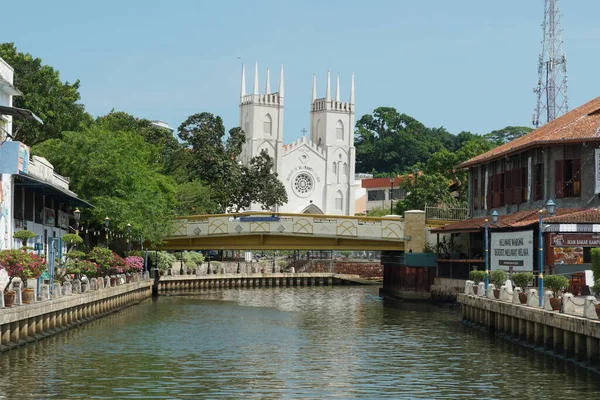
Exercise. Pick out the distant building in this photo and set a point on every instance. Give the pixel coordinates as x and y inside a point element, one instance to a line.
<point>382,192</point>
<point>163,125</point>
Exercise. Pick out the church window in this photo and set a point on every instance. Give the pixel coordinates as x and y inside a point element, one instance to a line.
<point>267,122</point>
<point>334,168</point>
<point>345,169</point>
<point>303,183</point>
<point>247,125</point>
<point>339,130</point>
<point>339,200</point>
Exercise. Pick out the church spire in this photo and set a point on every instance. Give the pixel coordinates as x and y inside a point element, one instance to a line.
<point>268,88</point>
<point>256,79</point>
<point>337,88</point>
<point>281,82</point>
<point>352,90</point>
<point>314,93</point>
<point>328,87</point>
<point>243,90</point>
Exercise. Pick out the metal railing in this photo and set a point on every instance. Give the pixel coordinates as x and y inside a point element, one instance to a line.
<point>445,213</point>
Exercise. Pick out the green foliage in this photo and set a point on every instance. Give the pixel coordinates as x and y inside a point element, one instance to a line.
<point>162,260</point>
<point>215,161</point>
<point>597,286</point>
<point>523,279</point>
<point>101,256</point>
<point>596,262</point>
<point>507,134</point>
<point>498,278</point>
<point>192,259</point>
<point>194,198</point>
<point>477,276</point>
<point>345,253</point>
<point>24,235</point>
<point>116,172</point>
<point>55,102</point>
<point>75,254</point>
<point>378,212</point>
<point>556,283</point>
<point>72,241</point>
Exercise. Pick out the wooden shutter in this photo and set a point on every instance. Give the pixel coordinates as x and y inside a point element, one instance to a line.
<point>507,189</point>
<point>576,179</point>
<point>517,185</point>
<point>559,178</point>
<point>475,194</point>
<point>525,185</point>
<point>539,182</point>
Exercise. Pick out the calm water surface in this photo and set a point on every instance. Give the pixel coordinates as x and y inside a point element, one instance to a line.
<point>285,343</point>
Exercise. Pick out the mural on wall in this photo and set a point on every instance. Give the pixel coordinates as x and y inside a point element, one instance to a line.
<point>5,199</point>
<point>23,160</point>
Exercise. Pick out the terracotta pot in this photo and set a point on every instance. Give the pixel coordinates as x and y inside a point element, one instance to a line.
<point>523,298</point>
<point>27,296</point>
<point>113,281</point>
<point>9,298</point>
<point>555,303</point>
<point>475,289</point>
<point>497,293</point>
<point>127,278</point>
<point>598,310</point>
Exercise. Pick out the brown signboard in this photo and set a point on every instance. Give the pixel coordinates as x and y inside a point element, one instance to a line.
<point>575,240</point>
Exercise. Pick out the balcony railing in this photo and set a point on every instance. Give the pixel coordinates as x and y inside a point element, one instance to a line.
<point>445,213</point>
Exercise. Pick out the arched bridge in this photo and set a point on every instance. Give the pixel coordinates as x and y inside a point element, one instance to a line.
<point>280,231</point>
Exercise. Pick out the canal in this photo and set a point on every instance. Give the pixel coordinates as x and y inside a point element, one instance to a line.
<point>272,343</point>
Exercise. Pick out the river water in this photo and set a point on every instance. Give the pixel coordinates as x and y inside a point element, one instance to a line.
<point>274,343</point>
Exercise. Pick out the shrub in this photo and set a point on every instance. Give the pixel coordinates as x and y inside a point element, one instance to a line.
<point>162,260</point>
<point>498,278</point>
<point>522,279</point>
<point>135,263</point>
<point>88,268</point>
<point>72,240</point>
<point>24,236</point>
<point>596,262</point>
<point>477,276</point>
<point>21,264</point>
<point>191,259</point>
<point>102,257</point>
<point>556,283</point>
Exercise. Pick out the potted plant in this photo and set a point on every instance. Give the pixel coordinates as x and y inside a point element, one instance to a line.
<point>522,280</point>
<point>498,278</point>
<point>476,276</point>
<point>556,283</point>
<point>102,257</point>
<point>135,264</point>
<point>23,265</point>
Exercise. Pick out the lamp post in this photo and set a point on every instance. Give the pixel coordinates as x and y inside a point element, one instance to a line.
<point>550,207</point>
<point>128,230</point>
<point>77,215</point>
<point>106,225</point>
<point>392,196</point>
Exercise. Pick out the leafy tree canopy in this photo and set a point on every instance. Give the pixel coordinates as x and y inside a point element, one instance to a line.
<point>507,134</point>
<point>116,172</point>
<point>56,103</point>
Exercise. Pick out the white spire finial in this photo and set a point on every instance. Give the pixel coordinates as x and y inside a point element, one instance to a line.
<point>352,90</point>
<point>337,88</point>
<point>328,87</point>
<point>256,79</point>
<point>281,82</point>
<point>243,90</point>
<point>268,88</point>
<point>314,93</point>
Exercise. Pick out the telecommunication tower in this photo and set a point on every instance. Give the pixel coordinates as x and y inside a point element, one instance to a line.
<point>551,90</point>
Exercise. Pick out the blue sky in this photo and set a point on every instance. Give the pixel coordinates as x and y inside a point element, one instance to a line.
<point>462,64</point>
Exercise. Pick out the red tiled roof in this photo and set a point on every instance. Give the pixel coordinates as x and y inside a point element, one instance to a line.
<point>579,125</point>
<point>523,219</point>
<point>383,182</point>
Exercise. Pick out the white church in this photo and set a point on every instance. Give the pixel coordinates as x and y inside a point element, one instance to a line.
<point>318,173</point>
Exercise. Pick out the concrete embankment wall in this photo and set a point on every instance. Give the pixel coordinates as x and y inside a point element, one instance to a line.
<point>564,335</point>
<point>171,283</point>
<point>30,322</point>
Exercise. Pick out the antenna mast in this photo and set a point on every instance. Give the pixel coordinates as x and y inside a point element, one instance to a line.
<point>551,90</point>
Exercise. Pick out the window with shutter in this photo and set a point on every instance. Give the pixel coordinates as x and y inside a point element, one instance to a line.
<point>517,186</point>
<point>576,178</point>
<point>538,193</point>
<point>501,189</point>
<point>559,178</point>
<point>508,186</point>
<point>524,184</point>
<point>475,194</point>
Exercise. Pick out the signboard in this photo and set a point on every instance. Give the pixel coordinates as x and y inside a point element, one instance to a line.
<point>14,158</point>
<point>259,219</point>
<point>49,218</point>
<point>597,169</point>
<point>568,247</point>
<point>512,249</point>
<point>63,220</point>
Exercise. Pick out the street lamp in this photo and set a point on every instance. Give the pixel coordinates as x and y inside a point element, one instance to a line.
<point>77,215</point>
<point>550,207</point>
<point>392,196</point>
<point>106,225</point>
<point>128,230</point>
<point>494,217</point>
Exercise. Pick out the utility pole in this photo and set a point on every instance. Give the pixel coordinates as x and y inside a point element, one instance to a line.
<point>551,90</point>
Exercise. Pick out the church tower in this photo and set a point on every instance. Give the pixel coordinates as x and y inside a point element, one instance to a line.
<point>261,118</point>
<point>331,129</point>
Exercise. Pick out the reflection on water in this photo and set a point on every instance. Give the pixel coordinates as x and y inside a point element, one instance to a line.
<point>276,343</point>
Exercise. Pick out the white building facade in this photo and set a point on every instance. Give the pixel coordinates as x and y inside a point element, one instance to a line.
<point>318,173</point>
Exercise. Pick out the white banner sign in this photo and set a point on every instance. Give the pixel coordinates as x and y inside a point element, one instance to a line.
<point>597,169</point>
<point>529,178</point>
<point>512,249</point>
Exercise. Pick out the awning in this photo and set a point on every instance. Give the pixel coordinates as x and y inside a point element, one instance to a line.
<point>9,88</point>
<point>20,112</point>
<point>42,187</point>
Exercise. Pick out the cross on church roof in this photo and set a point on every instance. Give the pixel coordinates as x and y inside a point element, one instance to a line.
<point>303,131</point>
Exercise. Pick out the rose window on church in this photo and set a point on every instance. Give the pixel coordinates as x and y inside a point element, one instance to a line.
<point>303,183</point>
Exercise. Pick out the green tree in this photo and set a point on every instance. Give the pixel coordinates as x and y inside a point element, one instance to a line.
<point>195,198</point>
<point>56,103</point>
<point>507,134</point>
<point>214,160</point>
<point>116,172</point>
